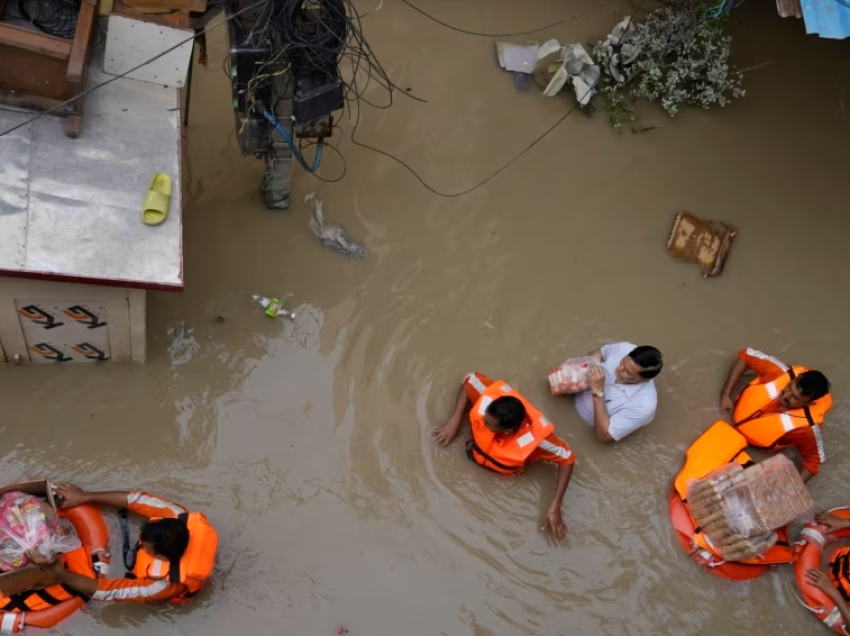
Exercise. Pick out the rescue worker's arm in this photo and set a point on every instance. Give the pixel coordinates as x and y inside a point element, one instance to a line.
<point>601,421</point>
<point>81,583</point>
<point>448,431</point>
<point>765,366</point>
<point>820,580</point>
<point>556,451</point>
<point>71,496</point>
<point>810,446</point>
<point>554,519</point>
<point>136,501</point>
<point>738,369</point>
<point>136,590</point>
<point>148,505</point>
<point>122,590</point>
<point>832,522</point>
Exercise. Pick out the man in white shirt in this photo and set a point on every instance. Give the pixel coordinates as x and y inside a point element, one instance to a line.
<point>622,397</point>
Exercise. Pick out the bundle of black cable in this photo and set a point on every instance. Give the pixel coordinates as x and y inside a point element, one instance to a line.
<point>314,32</point>
<point>54,17</point>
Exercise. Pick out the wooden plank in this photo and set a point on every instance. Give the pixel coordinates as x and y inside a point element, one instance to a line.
<point>35,42</point>
<point>82,47</point>
<point>74,122</point>
<point>168,5</point>
<point>174,19</point>
<point>104,7</point>
<point>34,74</point>
<point>152,11</point>
<point>181,19</point>
<point>73,126</point>
<point>32,102</point>
<point>82,41</point>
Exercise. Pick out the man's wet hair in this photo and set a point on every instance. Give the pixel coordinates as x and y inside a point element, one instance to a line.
<point>648,359</point>
<point>812,384</point>
<point>169,537</point>
<point>509,412</point>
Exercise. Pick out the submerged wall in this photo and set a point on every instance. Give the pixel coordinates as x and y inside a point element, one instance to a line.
<point>48,322</point>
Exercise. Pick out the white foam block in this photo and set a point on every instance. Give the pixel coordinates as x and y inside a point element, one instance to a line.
<point>131,42</point>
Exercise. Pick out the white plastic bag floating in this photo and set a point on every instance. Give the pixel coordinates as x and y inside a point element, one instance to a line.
<point>332,236</point>
<point>571,375</point>
<point>577,68</point>
<point>27,523</point>
<point>517,58</point>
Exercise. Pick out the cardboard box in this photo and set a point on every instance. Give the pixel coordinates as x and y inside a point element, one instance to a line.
<point>29,577</point>
<point>772,496</point>
<point>704,243</point>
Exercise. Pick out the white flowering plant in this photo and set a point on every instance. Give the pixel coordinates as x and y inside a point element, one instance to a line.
<point>675,57</point>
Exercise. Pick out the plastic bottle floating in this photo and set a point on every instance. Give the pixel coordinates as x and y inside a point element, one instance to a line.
<point>274,307</point>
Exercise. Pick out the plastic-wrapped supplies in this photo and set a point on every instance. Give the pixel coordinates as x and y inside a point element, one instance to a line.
<point>27,522</point>
<point>571,376</point>
<point>772,496</point>
<point>738,509</point>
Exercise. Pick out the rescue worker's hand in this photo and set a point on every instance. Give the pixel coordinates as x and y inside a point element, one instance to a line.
<point>447,432</point>
<point>726,403</point>
<point>46,562</point>
<point>833,523</point>
<point>820,580</point>
<point>596,378</point>
<point>555,523</point>
<point>69,495</point>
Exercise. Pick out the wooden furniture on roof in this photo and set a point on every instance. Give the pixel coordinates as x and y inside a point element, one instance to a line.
<point>40,71</point>
<point>174,13</point>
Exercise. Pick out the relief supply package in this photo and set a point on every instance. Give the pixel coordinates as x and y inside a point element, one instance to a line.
<point>738,509</point>
<point>772,496</point>
<point>571,376</point>
<point>26,523</point>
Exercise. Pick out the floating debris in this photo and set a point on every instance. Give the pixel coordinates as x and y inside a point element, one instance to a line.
<point>703,243</point>
<point>274,307</point>
<point>331,235</point>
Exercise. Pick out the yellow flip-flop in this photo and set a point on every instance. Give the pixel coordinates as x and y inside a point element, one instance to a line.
<point>157,200</point>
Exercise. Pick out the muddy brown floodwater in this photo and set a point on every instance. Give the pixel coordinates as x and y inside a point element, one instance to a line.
<point>308,443</point>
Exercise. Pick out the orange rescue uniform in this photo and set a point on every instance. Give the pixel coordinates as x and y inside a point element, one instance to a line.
<point>760,419</point>
<point>78,561</point>
<point>839,571</point>
<point>507,454</point>
<point>155,579</point>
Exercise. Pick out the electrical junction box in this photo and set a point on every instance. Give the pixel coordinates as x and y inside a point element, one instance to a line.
<point>316,99</point>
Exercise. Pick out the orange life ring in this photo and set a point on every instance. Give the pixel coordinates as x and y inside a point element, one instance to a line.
<point>683,525</point>
<point>719,445</point>
<point>810,547</point>
<point>90,559</point>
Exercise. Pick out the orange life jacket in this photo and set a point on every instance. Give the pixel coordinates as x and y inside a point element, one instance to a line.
<point>78,560</point>
<point>719,445</point>
<point>195,566</point>
<point>760,422</point>
<point>839,571</point>
<point>505,454</point>
<point>714,448</point>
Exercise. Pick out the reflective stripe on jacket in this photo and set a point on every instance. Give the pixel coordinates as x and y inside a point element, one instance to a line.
<point>759,419</point>
<point>506,454</point>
